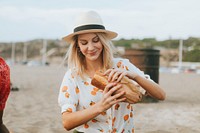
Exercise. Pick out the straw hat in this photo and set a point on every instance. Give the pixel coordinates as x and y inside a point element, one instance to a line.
<point>89,22</point>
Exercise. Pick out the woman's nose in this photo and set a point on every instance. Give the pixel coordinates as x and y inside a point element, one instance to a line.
<point>90,46</point>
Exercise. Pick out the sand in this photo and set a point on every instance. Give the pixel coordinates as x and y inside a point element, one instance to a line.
<point>34,108</point>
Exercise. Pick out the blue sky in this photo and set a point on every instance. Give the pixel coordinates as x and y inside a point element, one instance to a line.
<point>23,20</point>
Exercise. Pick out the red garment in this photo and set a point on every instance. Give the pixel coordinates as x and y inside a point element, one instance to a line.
<point>4,83</point>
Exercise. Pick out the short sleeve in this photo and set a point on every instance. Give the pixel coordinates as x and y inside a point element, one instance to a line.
<point>126,64</point>
<point>68,99</point>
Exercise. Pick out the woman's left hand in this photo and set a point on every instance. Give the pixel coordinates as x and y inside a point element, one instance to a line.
<point>152,88</point>
<point>116,74</point>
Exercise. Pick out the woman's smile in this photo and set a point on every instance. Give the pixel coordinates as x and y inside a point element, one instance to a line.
<point>92,53</point>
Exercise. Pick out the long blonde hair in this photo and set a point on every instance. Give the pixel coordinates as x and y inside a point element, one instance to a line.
<point>76,60</point>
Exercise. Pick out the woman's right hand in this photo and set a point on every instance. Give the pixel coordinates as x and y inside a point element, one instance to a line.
<point>110,97</point>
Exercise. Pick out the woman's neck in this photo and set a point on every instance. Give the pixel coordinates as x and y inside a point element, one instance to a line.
<point>92,67</point>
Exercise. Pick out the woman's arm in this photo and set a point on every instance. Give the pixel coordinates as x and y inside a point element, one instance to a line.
<point>152,88</point>
<point>74,119</point>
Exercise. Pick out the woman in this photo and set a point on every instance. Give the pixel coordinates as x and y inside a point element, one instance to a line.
<point>83,106</point>
<point>4,91</point>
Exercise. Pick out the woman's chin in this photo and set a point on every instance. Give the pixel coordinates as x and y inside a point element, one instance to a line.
<point>92,58</point>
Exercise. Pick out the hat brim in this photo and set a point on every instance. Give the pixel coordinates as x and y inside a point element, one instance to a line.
<point>109,34</point>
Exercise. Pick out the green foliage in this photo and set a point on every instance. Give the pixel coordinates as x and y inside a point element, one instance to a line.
<point>192,56</point>
<point>191,47</point>
<point>123,42</point>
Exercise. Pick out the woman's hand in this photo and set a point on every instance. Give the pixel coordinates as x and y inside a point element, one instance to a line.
<point>116,74</point>
<point>110,97</point>
<point>130,95</point>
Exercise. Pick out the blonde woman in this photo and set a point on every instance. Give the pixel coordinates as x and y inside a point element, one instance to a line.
<point>83,106</point>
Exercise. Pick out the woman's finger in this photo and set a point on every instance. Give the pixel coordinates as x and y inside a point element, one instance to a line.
<point>108,87</point>
<point>115,88</point>
<point>121,76</point>
<point>118,100</point>
<point>107,72</point>
<point>116,76</point>
<point>118,95</point>
<point>115,98</point>
<point>111,74</point>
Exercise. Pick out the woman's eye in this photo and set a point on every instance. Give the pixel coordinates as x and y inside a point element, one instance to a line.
<point>96,40</point>
<point>83,43</point>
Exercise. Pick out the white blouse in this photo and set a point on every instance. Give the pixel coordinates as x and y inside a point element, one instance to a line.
<point>77,94</point>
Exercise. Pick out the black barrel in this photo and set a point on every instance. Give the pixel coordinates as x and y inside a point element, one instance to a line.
<point>146,60</point>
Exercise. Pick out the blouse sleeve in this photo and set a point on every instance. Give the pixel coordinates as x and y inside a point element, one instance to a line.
<point>126,64</point>
<point>68,98</point>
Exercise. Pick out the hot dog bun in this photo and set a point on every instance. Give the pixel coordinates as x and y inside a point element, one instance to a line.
<point>99,80</point>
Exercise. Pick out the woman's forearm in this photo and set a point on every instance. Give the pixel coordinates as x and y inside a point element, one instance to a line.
<point>151,87</point>
<point>72,120</point>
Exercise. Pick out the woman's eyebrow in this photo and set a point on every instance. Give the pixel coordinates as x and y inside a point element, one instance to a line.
<point>82,40</point>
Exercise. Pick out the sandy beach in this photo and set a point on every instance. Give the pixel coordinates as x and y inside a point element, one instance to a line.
<point>34,108</point>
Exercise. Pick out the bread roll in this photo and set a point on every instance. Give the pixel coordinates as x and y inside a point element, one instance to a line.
<point>100,81</point>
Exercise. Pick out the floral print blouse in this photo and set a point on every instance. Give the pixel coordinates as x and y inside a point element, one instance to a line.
<point>77,94</point>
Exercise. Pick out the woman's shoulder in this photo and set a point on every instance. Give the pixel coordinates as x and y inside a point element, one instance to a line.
<point>120,61</point>
<point>71,73</point>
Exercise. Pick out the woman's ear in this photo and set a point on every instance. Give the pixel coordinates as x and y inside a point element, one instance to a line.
<point>78,49</point>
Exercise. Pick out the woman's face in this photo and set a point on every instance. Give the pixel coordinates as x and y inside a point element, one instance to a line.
<point>90,46</point>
